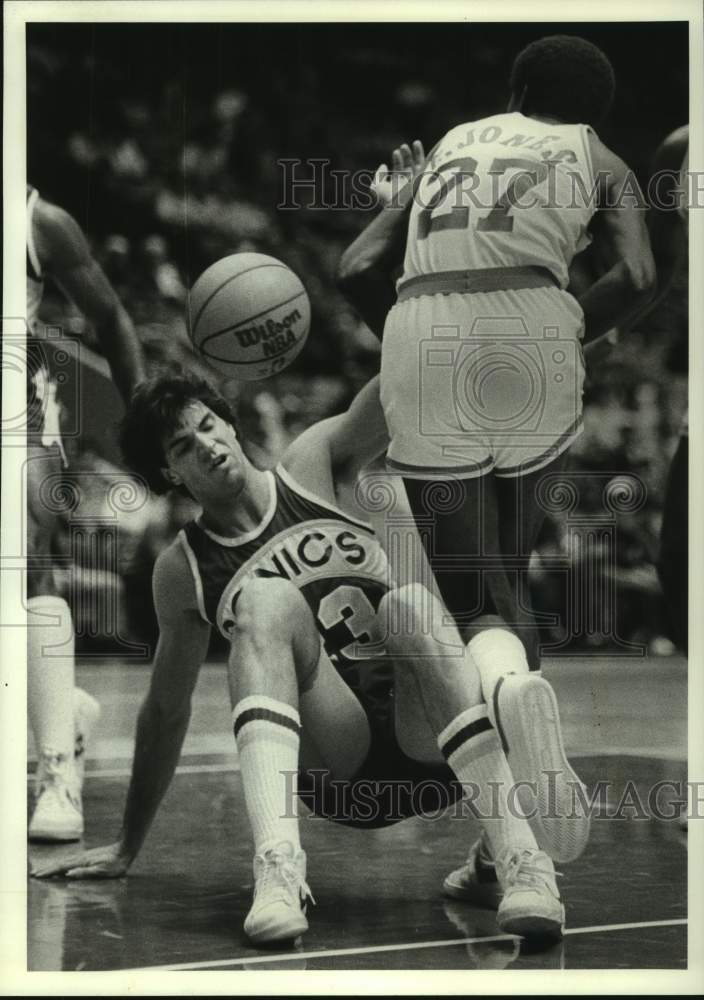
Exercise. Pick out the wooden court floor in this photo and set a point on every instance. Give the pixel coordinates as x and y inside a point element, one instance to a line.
<point>378,893</point>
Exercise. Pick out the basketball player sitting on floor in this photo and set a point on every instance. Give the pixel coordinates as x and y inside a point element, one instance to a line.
<point>323,683</point>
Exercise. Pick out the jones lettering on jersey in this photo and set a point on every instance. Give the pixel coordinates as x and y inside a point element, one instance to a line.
<point>503,137</point>
<point>541,143</point>
<point>315,550</point>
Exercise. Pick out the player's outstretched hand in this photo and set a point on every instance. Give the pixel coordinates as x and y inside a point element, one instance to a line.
<point>407,163</point>
<point>100,862</point>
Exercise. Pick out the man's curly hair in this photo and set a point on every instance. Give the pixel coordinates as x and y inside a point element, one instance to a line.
<point>565,77</point>
<point>154,413</point>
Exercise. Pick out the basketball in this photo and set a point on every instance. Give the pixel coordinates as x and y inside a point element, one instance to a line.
<point>249,315</point>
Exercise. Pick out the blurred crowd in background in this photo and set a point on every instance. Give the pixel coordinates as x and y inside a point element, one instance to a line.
<point>166,141</point>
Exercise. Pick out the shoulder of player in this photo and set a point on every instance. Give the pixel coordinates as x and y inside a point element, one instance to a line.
<point>610,170</point>
<point>57,236</point>
<point>671,151</point>
<point>604,159</point>
<point>172,581</point>
<point>310,450</point>
<point>321,468</point>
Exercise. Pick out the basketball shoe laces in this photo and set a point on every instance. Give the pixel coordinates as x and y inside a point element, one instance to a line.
<point>279,871</point>
<point>53,774</point>
<point>520,869</point>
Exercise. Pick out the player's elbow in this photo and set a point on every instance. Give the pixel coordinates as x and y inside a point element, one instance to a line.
<point>640,279</point>
<point>112,322</point>
<point>352,270</point>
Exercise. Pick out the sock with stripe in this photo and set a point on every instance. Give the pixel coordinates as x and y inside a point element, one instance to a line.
<point>496,652</point>
<point>267,734</point>
<point>472,748</point>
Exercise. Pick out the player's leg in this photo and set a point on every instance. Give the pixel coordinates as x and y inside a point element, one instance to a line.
<point>673,559</point>
<point>525,707</point>
<point>465,555</point>
<point>424,642</point>
<point>674,545</point>
<point>462,544</point>
<point>279,681</point>
<point>520,518</point>
<point>492,517</point>
<point>50,669</point>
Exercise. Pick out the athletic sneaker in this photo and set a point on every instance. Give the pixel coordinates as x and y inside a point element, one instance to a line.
<point>58,814</point>
<point>529,723</point>
<point>475,882</point>
<point>531,905</point>
<point>280,894</point>
<point>86,712</point>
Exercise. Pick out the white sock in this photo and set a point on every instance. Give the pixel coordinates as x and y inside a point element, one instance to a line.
<point>472,749</point>
<point>50,674</point>
<point>497,652</point>
<point>267,733</point>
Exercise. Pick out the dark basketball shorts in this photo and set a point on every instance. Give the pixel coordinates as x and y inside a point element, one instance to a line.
<point>389,786</point>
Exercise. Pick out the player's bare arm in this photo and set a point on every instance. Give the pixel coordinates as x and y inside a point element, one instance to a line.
<point>364,272</point>
<point>162,722</point>
<point>666,229</point>
<point>667,225</point>
<point>65,256</point>
<point>335,450</point>
<point>621,241</point>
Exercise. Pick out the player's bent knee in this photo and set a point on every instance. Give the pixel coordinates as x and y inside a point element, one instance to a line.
<point>406,615</point>
<point>271,607</point>
<point>409,599</point>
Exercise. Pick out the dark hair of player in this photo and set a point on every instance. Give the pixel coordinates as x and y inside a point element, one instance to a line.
<point>154,414</point>
<point>564,77</point>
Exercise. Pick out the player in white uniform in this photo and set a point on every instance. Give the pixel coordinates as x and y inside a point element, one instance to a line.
<point>321,644</point>
<point>481,360</point>
<point>481,356</point>
<point>60,715</point>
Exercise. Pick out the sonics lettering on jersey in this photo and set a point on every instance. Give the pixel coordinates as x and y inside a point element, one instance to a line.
<point>314,550</point>
<point>493,134</point>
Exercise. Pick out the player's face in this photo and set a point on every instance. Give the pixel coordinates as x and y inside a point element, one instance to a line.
<point>203,455</point>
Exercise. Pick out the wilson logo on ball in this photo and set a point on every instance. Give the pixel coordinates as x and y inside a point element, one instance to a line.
<point>250,315</point>
<point>280,333</point>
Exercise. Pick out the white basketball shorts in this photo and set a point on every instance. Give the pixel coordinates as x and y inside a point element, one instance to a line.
<point>472,383</point>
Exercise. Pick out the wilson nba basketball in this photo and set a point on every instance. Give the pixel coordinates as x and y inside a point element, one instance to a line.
<point>249,315</point>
